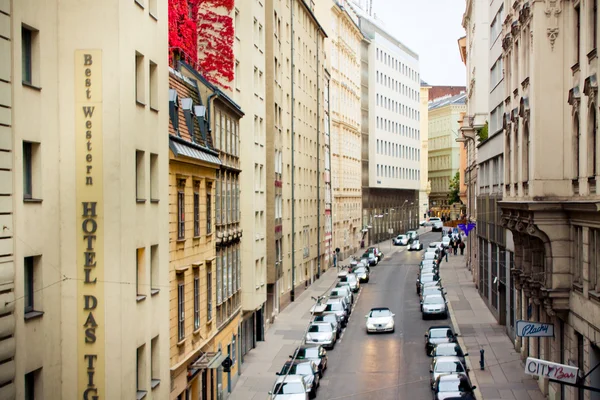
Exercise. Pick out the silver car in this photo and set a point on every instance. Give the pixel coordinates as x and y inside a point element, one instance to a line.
<point>289,387</point>
<point>332,318</point>
<point>323,333</point>
<point>343,292</point>
<point>337,307</point>
<point>434,305</point>
<point>351,279</point>
<point>431,290</point>
<point>309,372</point>
<point>401,240</point>
<point>445,365</point>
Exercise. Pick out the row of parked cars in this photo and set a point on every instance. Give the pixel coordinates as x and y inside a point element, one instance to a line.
<point>301,375</point>
<point>449,377</point>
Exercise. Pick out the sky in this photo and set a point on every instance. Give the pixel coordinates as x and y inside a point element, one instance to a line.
<point>431,28</point>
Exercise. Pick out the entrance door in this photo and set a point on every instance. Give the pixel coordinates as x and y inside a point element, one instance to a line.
<point>204,385</point>
<point>229,373</point>
<point>260,324</point>
<point>502,303</point>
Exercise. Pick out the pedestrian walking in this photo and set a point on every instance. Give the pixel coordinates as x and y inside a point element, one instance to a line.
<point>455,247</point>
<point>444,253</point>
<point>462,248</point>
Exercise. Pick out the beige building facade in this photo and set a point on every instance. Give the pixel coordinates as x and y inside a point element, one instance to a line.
<point>343,48</point>
<point>295,62</point>
<point>549,203</point>
<point>85,241</point>
<point>425,186</point>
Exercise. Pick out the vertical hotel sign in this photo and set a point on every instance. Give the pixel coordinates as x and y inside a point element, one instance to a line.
<point>90,224</point>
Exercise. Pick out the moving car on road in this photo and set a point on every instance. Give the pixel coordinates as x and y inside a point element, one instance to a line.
<point>289,387</point>
<point>380,319</point>
<point>317,354</point>
<point>322,333</point>
<point>412,235</point>
<point>438,334</point>
<point>445,365</point>
<point>434,305</point>
<point>309,372</point>
<point>415,245</point>
<point>449,349</point>
<point>437,224</point>
<point>401,240</point>
<point>453,386</point>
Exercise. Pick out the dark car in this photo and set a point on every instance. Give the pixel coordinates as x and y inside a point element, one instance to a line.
<point>317,354</point>
<point>453,386</point>
<point>362,273</point>
<point>309,372</point>
<point>449,349</point>
<point>438,334</point>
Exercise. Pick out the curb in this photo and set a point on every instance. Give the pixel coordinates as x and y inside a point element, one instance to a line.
<point>468,361</point>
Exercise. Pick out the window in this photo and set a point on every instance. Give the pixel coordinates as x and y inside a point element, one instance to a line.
<point>208,208</point>
<point>496,26</point>
<point>153,8</point>
<point>592,144</point>
<point>29,55</point>
<point>576,150</point>
<point>140,273</point>
<point>196,212</point>
<point>140,381</point>
<point>208,290</point>
<point>153,85</point>
<point>219,277</point>
<point>154,282</point>
<point>181,310</point>
<point>594,258</point>
<point>577,33</point>
<point>33,385</point>
<point>153,177</point>
<point>594,24</point>
<point>140,81</point>
<point>196,302</point>
<point>233,349</point>
<point>30,283</point>
<point>496,73</point>
<point>140,176</point>
<point>181,211</point>
<point>154,362</point>
<point>578,255</point>
<point>31,170</point>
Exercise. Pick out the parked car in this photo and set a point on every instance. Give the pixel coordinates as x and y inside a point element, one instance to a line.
<point>431,290</point>
<point>449,349</point>
<point>344,292</point>
<point>437,224</point>
<point>434,305</point>
<point>446,242</point>
<point>323,333</point>
<point>425,278</point>
<point>351,279</point>
<point>438,334</point>
<point>412,235</point>
<point>289,387</point>
<point>380,319</point>
<point>445,365</point>
<point>363,274</point>
<point>429,269</point>
<point>429,263</point>
<point>336,306</point>
<point>345,302</point>
<point>331,318</point>
<point>377,251</point>
<point>453,386</point>
<point>435,245</point>
<point>317,354</point>
<point>369,258</point>
<point>429,256</point>
<point>309,372</point>
<point>415,245</point>
<point>401,240</point>
<point>437,252</point>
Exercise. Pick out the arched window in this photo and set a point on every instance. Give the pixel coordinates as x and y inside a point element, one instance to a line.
<point>592,144</point>
<point>525,150</point>
<point>576,146</point>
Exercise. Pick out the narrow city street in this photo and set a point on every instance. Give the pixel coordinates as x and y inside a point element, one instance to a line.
<point>384,366</point>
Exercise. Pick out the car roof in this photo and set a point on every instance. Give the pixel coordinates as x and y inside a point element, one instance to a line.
<point>308,346</point>
<point>342,273</point>
<point>453,377</point>
<point>320,323</point>
<point>431,328</point>
<point>298,361</point>
<point>290,379</point>
<point>336,299</point>
<point>380,309</point>
<point>433,296</point>
<point>442,345</point>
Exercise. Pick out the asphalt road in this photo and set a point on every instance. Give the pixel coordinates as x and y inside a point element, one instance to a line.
<point>384,366</point>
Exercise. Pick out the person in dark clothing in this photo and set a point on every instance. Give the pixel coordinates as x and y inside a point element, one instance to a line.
<point>462,248</point>
<point>455,247</point>
<point>444,254</point>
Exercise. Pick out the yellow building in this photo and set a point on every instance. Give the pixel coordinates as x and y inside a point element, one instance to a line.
<point>84,209</point>
<point>193,164</point>
<point>343,46</point>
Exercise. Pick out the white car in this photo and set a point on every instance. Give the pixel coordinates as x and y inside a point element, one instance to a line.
<point>323,333</point>
<point>380,319</point>
<point>401,240</point>
<point>437,224</point>
<point>289,387</point>
<point>415,245</point>
<point>446,241</point>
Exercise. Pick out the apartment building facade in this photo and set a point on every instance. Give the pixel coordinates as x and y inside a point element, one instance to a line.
<point>391,144</point>
<point>343,48</point>
<point>425,186</point>
<point>249,91</point>
<point>443,157</point>
<point>295,62</point>
<point>549,202</point>
<point>85,238</point>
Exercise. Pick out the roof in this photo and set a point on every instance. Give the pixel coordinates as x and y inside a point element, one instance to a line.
<point>459,99</point>
<point>423,83</point>
<point>290,379</point>
<point>313,17</point>
<point>182,147</point>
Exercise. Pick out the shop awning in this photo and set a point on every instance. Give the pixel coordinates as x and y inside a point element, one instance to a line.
<point>209,360</point>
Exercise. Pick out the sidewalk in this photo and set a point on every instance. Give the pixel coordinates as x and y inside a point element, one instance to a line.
<point>285,334</point>
<point>503,377</point>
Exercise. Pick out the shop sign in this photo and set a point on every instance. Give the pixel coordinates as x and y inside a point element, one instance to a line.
<point>534,329</point>
<point>550,370</point>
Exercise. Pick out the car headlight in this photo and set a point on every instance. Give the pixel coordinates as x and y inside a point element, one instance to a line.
<point>370,326</point>
<point>308,337</point>
<point>390,324</point>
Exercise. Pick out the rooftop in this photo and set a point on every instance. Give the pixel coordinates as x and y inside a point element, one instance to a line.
<point>459,99</point>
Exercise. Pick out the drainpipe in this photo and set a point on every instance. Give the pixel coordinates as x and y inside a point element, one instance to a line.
<point>293,292</point>
<point>329,145</point>
<point>318,168</point>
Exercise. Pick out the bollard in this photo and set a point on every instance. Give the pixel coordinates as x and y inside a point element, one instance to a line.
<point>482,359</point>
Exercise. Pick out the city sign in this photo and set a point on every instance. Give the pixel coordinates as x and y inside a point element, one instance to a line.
<point>534,329</point>
<point>546,369</point>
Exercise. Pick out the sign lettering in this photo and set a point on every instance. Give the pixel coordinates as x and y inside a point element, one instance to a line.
<point>550,370</point>
<point>534,329</point>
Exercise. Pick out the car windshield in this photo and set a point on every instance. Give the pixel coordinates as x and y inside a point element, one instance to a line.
<point>360,270</point>
<point>448,351</point>
<point>320,328</point>
<point>336,293</point>
<point>416,242</point>
<point>380,313</point>
<point>334,307</point>
<point>438,333</point>
<point>454,385</point>
<point>297,369</point>
<point>401,237</point>
<point>309,352</point>
<point>289,388</point>
<point>329,318</point>
<point>433,299</point>
<point>427,278</point>
<point>449,366</point>
<point>430,291</point>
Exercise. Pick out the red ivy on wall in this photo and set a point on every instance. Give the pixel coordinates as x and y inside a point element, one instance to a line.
<point>183,30</point>
<point>215,41</point>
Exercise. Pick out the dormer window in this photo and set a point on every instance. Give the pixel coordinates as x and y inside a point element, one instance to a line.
<point>187,105</point>
<point>200,113</point>
<point>174,110</point>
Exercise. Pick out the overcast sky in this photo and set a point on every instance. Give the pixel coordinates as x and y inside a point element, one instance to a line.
<point>432,29</point>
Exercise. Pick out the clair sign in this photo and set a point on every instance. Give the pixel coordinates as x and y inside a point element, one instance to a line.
<point>550,370</point>
<point>534,329</point>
